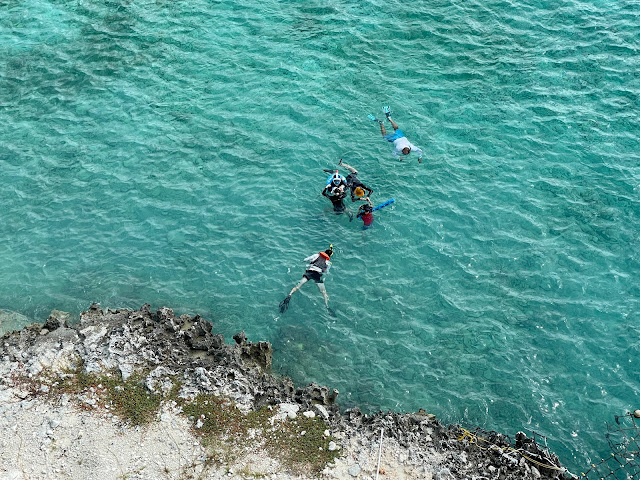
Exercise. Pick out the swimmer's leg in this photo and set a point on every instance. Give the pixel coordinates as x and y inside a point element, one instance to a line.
<point>297,287</point>
<point>284,304</point>
<point>348,167</point>
<point>323,291</point>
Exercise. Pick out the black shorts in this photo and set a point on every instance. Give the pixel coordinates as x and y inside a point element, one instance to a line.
<point>313,275</point>
<point>338,205</point>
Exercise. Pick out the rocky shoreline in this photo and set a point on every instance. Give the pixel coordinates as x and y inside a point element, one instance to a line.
<point>71,437</point>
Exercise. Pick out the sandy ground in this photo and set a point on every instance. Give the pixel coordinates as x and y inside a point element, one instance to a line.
<point>42,441</point>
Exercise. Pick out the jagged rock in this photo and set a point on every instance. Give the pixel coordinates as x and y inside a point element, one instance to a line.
<point>240,338</point>
<point>354,416</point>
<point>57,319</point>
<point>185,349</point>
<point>318,394</point>
<point>260,353</point>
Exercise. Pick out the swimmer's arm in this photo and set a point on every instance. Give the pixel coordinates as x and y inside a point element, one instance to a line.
<point>355,199</point>
<point>311,258</point>
<point>324,192</point>
<point>419,151</point>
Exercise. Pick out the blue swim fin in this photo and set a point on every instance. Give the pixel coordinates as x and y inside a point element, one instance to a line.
<point>387,111</point>
<point>374,119</point>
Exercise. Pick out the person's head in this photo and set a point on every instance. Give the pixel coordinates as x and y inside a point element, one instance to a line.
<point>406,150</point>
<point>336,178</point>
<point>359,192</point>
<point>329,251</point>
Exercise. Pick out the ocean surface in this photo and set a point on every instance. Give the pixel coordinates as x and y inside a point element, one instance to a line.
<point>172,152</point>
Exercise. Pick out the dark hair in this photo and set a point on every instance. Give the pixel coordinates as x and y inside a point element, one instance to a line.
<point>329,251</point>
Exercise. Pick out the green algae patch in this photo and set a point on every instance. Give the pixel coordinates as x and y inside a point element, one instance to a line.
<point>132,401</point>
<point>214,416</point>
<point>129,399</point>
<point>301,441</point>
<point>299,444</point>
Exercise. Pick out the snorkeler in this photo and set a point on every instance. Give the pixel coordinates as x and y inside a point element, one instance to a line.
<point>400,142</point>
<point>356,186</point>
<point>365,212</point>
<point>336,191</point>
<point>319,265</point>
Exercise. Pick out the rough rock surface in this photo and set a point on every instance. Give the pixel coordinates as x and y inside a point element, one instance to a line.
<point>43,440</point>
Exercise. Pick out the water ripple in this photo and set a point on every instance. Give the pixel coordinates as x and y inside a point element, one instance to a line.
<point>173,153</point>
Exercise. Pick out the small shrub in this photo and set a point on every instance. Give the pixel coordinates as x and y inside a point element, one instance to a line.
<point>128,399</point>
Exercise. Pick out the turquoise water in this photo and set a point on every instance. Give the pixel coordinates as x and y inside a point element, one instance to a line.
<point>172,153</point>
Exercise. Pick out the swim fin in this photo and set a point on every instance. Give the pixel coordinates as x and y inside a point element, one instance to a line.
<point>284,304</point>
<point>374,119</point>
<point>387,111</point>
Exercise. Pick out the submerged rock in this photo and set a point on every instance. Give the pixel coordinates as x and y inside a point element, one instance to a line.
<point>10,321</point>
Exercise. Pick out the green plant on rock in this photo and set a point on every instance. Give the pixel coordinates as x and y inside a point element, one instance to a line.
<point>128,399</point>
<point>300,444</point>
<point>132,401</point>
